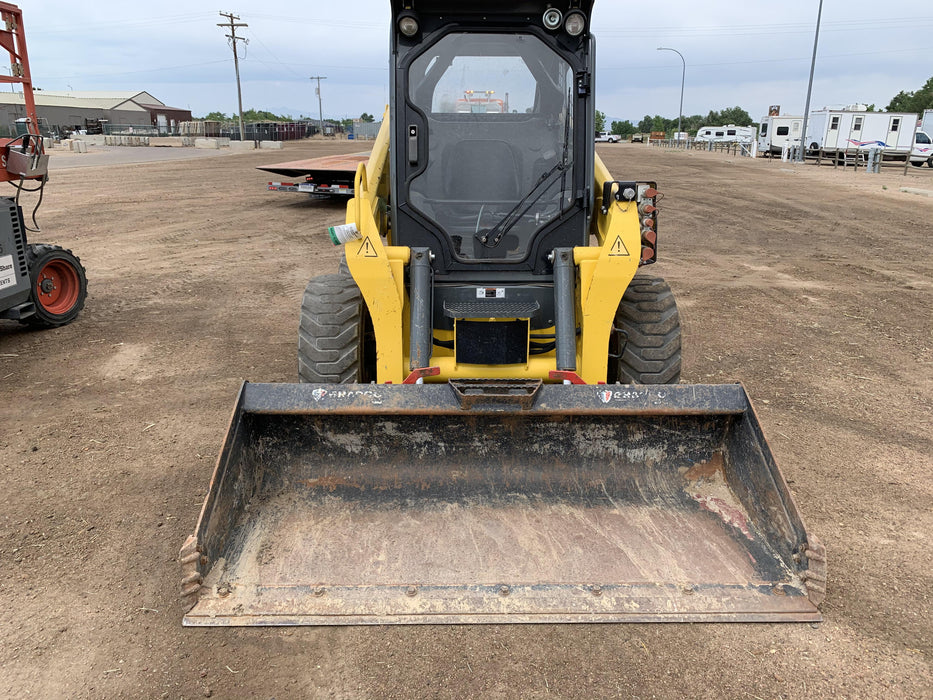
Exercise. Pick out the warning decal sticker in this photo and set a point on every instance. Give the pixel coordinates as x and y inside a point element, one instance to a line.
<point>7,271</point>
<point>618,248</point>
<point>367,250</point>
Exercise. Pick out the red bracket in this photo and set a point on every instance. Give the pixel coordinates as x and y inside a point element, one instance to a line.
<point>420,373</point>
<point>565,375</point>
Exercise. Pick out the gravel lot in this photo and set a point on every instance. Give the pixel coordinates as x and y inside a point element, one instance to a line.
<point>811,286</point>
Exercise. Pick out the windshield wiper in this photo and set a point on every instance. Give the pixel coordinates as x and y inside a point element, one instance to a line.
<point>492,238</point>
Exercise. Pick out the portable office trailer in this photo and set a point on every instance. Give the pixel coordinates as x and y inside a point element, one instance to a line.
<point>774,132</point>
<point>836,130</point>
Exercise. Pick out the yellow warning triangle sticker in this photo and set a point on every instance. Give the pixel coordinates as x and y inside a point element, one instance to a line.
<point>367,250</point>
<point>618,248</point>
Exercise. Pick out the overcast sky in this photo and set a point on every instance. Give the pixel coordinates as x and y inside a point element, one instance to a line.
<point>752,54</point>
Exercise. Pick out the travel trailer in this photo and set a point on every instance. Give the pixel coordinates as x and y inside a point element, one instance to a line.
<point>774,132</point>
<point>726,134</point>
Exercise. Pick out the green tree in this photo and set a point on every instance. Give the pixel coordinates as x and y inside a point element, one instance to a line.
<point>913,101</point>
<point>600,121</point>
<point>644,126</point>
<point>624,128</point>
<point>369,118</point>
<point>215,117</point>
<point>261,115</point>
<point>693,123</point>
<point>736,115</point>
<point>659,123</point>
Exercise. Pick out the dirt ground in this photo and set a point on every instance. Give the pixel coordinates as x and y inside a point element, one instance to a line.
<point>813,287</point>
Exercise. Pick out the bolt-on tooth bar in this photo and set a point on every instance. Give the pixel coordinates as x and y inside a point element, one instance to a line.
<point>420,299</point>
<point>564,321</point>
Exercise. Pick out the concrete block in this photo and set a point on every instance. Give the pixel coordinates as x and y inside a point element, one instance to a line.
<point>79,146</point>
<point>206,143</point>
<point>242,145</point>
<point>166,141</point>
<point>272,145</point>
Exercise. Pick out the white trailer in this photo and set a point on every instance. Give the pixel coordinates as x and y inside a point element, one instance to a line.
<point>726,134</point>
<point>834,131</point>
<point>775,132</point>
<point>926,121</point>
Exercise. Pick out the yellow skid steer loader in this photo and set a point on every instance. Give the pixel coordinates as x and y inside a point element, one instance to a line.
<point>489,425</point>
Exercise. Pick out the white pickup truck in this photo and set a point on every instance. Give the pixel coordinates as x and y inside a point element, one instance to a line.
<point>605,137</point>
<point>922,152</point>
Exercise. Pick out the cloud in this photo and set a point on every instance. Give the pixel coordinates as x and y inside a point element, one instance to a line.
<point>753,58</point>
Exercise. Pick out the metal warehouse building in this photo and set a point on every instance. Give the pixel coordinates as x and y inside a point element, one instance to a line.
<point>63,112</point>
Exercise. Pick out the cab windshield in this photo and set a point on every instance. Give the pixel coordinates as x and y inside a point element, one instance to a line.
<point>500,125</point>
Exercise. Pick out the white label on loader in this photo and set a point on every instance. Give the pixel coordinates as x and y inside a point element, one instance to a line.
<point>7,271</point>
<point>490,292</point>
<point>607,395</point>
<point>347,395</point>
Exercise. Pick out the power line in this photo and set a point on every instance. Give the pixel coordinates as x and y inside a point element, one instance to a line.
<point>163,69</point>
<point>771,29</point>
<point>118,24</point>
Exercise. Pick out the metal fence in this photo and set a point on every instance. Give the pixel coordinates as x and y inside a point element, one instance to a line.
<point>109,129</point>
<point>735,148</point>
<point>270,131</point>
<point>366,131</point>
<point>870,160</point>
<point>866,160</point>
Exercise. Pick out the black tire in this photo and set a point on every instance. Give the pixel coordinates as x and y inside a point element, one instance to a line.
<point>336,343</point>
<point>650,338</point>
<point>58,285</point>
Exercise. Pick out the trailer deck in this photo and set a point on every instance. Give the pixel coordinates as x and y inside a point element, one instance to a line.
<point>330,176</point>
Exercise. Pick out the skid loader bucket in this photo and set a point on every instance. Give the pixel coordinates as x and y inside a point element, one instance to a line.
<point>383,504</point>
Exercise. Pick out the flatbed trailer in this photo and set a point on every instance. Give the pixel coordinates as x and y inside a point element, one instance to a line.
<point>316,190</point>
<point>327,176</point>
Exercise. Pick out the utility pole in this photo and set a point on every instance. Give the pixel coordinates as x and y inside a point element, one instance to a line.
<point>683,79</point>
<point>233,39</point>
<point>320,107</point>
<point>801,156</point>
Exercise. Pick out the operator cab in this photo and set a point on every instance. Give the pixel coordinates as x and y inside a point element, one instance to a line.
<point>491,164</point>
